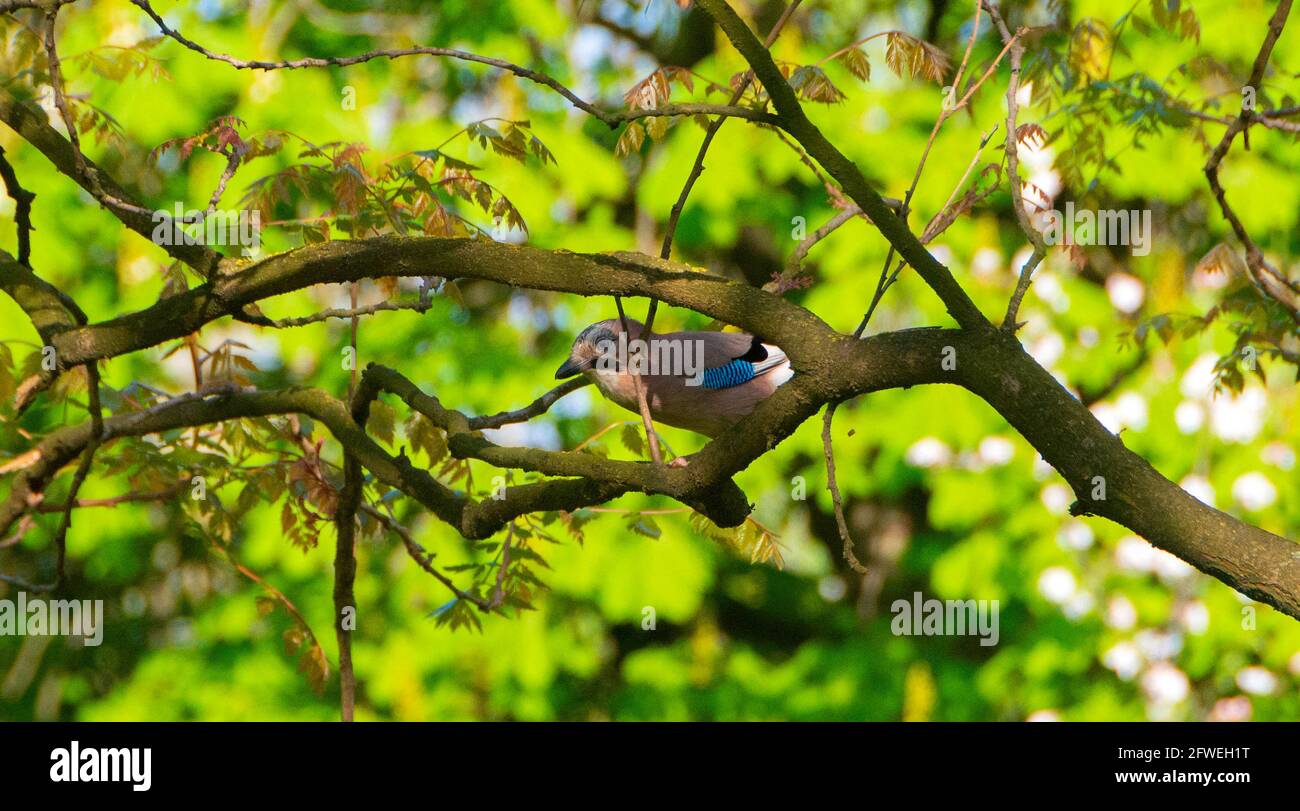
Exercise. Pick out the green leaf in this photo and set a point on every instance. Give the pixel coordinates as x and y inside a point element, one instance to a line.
<point>381,421</point>
<point>644,525</point>
<point>658,127</point>
<point>812,84</point>
<point>631,139</point>
<point>631,438</point>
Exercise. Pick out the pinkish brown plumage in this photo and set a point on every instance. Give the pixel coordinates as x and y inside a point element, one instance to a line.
<point>720,378</point>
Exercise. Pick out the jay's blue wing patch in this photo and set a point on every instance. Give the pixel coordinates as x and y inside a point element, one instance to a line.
<point>732,374</point>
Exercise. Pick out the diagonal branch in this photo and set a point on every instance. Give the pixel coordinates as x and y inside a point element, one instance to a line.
<point>33,128</point>
<point>855,185</point>
<point>22,209</point>
<point>717,497</point>
<point>1268,279</point>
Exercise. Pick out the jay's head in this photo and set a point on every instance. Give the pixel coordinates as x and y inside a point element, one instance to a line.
<point>599,339</point>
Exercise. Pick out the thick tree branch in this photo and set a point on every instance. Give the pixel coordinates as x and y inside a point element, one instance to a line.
<point>45,305</point>
<point>1256,562</point>
<point>830,367</point>
<point>1093,460</point>
<point>626,274</point>
<point>722,501</point>
<point>473,519</point>
<point>32,126</point>
<point>345,559</point>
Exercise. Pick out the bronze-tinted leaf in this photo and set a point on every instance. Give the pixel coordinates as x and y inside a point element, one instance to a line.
<point>631,139</point>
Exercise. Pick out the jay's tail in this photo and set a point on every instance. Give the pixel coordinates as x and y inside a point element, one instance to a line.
<point>776,366</point>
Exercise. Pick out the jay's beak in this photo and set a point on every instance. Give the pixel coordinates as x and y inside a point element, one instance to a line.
<point>568,369</point>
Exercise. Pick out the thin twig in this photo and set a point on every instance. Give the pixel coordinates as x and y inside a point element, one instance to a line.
<point>22,209</point>
<point>948,213</point>
<point>114,501</point>
<point>887,279</point>
<point>498,590</point>
<point>422,556</point>
<point>610,118</point>
<point>1013,171</point>
<point>665,251</point>
<point>903,207</point>
<point>697,168</point>
<point>82,167</point>
<point>533,409</point>
<point>829,452</point>
<point>1267,279</point>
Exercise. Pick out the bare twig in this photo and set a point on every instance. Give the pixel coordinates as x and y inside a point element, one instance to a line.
<point>829,452</point>
<point>537,407</point>
<point>422,556</point>
<point>638,385</point>
<point>610,118</point>
<point>1013,170</point>
<point>94,185</point>
<point>902,208</point>
<point>665,252</point>
<point>345,573</point>
<point>697,168</point>
<point>25,523</point>
<point>22,209</point>
<point>351,312</point>
<point>886,279</point>
<point>233,157</point>
<point>949,212</point>
<point>1267,279</point>
<point>114,501</point>
<point>801,250</point>
<point>56,85</point>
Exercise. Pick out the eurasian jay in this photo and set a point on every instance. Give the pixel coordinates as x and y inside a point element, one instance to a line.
<point>701,381</point>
